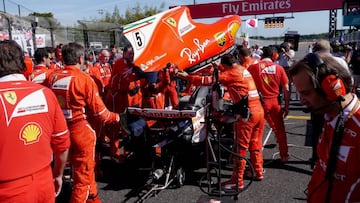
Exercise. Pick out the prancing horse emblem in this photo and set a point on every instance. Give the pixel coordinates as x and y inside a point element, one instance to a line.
<point>10,97</point>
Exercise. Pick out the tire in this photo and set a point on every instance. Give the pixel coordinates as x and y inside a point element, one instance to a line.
<point>180,177</point>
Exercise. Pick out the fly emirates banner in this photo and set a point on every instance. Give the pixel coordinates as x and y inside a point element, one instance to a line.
<point>257,7</point>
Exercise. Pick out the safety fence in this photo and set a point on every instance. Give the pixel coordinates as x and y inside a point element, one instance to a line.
<point>33,32</point>
<point>353,37</point>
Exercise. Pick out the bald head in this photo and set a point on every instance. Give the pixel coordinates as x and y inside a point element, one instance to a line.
<point>322,46</point>
<point>105,56</point>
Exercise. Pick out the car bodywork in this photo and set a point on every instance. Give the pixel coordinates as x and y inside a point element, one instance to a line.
<point>172,36</point>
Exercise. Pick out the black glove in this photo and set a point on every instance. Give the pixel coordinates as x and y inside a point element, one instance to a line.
<point>138,72</point>
<point>135,90</point>
<point>153,88</point>
<point>124,122</point>
<point>242,108</point>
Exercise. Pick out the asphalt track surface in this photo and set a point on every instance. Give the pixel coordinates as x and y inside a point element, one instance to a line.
<point>282,183</point>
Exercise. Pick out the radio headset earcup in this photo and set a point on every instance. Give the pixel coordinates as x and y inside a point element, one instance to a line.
<point>330,85</point>
<point>333,87</point>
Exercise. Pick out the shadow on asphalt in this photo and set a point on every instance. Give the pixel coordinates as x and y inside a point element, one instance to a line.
<point>127,177</point>
<point>131,176</point>
<point>289,166</point>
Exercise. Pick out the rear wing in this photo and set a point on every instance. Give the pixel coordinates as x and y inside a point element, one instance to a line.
<point>165,113</point>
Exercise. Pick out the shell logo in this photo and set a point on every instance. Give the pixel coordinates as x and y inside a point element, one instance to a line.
<point>30,133</point>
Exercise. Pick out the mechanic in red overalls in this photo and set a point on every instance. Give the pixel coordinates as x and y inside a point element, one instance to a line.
<point>41,69</point>
<point>124,92</point>
<point>58,60</point>
<point>325,88</point>
<point>269,77</point>
<point>244,57</point>
<point>239,84</point>
<point>33,130</point>
<point>29,65</point>
<point>76,91</point>
<point>105,69</point>
<point>167,82</point>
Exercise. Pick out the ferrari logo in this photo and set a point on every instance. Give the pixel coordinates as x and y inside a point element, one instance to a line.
<point>10,97</point>
<point>30,133</point>
<point>338,92</point>
<point>171,21</point>
<point>267,79</point>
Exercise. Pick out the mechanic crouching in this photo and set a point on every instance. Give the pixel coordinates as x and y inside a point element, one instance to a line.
<point>240,85</point>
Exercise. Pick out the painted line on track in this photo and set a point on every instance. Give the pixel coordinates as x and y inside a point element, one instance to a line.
<point>298,117</point>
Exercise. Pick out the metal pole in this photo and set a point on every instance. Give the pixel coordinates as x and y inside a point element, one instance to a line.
<point>85,35</point>
<point>332,24</point>
<point>4,6</point>
<point>34,25</point>
<point>51,28</point>
<point>52,36</point>
<point>34,37</point>
<point>9,28</point>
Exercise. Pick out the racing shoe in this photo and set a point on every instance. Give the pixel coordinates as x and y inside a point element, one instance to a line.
<point>93,199</point>
<point>231,185</point>
<point>257,176</point>
<point>284,159</point>
<point>99,174</point>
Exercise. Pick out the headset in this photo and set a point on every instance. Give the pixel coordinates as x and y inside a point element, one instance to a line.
<point>325,79</point>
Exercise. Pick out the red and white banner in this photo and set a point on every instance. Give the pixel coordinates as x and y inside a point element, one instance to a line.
<point>258,7</point>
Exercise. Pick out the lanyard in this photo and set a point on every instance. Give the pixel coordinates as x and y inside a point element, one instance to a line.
<point>335,145</point>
